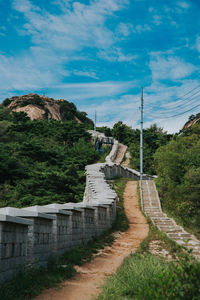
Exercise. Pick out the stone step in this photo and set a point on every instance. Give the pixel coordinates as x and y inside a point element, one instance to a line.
<point>185,236</point>
<point>172,229</point>
<point>151,207</point>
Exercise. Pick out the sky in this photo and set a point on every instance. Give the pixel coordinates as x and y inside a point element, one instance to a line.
<point>99,53</point>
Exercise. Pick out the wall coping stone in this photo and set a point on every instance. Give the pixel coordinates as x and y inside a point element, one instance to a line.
<point>48,210</point>
<point>24,212</point>
<point>13,219</point>
<point>63,206</point>
<point>85,205</point>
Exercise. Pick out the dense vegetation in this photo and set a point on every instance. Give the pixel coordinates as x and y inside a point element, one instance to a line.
<point>42,161</point>
<point>154,137</point>
<point>178,170</point>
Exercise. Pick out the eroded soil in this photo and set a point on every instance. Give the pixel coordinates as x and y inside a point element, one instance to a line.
<point>86,285</point>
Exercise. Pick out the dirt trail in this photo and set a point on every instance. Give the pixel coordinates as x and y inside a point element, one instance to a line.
<point>120,153</point>
<point>86,285</point>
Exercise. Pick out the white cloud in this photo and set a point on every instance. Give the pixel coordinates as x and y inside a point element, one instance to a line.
<point>125,108</point>
<point>86,74</point>
<point>58,39</point>
<point>169,67</point>
<point>30,72</point>
<point>124,29</point>
<point>91,90</point>
<point>162,101</point>
<point>72,29</point>
<point>157,20</point>
<point>183,4</point>
<point>142,28</point>
<point>115,54</point>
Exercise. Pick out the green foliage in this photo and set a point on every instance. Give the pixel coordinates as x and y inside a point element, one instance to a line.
<point>69,111</point>
<point>178,169</point>
<point>42,161</point>
<point>6,102</point>
<point>34,100</point>
<point>146,276</point>
<point>106,130</point>
<point>153,138</point>
<point>121,223</point>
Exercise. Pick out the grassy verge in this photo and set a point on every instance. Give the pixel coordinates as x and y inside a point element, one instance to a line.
<point>189,226</point>
<point>121,222</point>
<point>148,276</point>
<point>30,283</point>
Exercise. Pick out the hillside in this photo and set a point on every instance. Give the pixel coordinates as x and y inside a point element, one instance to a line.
<point>193,119</point>
<point>42,161</point>
<point>44,108</point>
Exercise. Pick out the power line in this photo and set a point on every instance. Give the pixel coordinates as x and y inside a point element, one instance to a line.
<point>180,108</point>
<point>182,99</point>
<point>177,105</point>
<point>179,114</point>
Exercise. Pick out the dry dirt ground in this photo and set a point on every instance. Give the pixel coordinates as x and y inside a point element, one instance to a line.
<point>86,285</point>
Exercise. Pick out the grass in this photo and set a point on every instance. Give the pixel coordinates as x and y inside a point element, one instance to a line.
<point>189,226</point>
<point>121,222</point>
<point>30,283</point>
<point>107,149</point>
<point>146,276</point>
<point>192,228</point>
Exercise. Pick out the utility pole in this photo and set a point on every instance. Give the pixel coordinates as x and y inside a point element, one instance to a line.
<point>141,136</point>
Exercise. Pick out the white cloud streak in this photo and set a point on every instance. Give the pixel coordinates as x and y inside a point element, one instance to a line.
<point>169,67</point>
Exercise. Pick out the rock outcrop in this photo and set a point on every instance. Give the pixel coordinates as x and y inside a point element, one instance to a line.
<point>194,119</point>
<point>37,107</point>
<point>44,108</point>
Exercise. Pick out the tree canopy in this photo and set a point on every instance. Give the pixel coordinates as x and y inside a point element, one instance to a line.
<point>42,161</point>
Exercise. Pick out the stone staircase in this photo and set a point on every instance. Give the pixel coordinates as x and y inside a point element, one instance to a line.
<point>151,206</point>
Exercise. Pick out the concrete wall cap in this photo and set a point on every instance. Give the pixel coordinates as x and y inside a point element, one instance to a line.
<point>23,212</point>
<point>63,207</point>
<point>49,210</point>
<point>13,219</point>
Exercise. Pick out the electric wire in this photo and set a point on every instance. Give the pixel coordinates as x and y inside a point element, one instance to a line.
<point>179,114</point>
<point>178,105</point>
<point>193,101</point>
<point>171,110</point>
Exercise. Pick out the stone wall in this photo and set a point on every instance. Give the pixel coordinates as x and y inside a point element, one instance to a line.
<point>28,236</point>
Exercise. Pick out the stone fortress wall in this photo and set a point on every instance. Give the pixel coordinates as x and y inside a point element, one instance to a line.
<point>28,236</point>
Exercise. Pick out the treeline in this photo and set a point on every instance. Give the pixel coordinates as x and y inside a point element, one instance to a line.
<point>42,161</point>
<point>178,169</point>
<point>153,137</point>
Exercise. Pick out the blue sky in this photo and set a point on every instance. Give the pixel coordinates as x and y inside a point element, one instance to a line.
<point>99,53</point>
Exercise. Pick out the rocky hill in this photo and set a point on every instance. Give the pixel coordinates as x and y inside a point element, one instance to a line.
<point>193,119</point>
<point>40,107</point>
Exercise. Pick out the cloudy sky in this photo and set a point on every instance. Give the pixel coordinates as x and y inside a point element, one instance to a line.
<point>98,54</point>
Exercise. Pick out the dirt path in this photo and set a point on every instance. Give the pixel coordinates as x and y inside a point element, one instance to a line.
<point>87,283</point>
<point>120,153</point>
